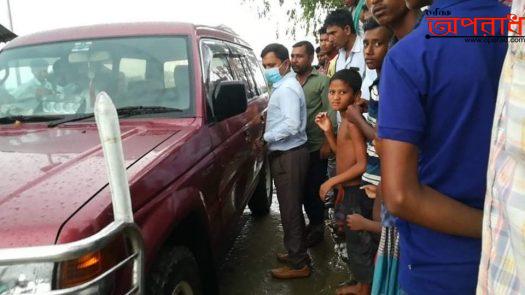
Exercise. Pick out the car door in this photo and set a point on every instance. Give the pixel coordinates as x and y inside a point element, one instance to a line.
<point>260,102</point>
<point>252,120</point>
<point>229,139</point>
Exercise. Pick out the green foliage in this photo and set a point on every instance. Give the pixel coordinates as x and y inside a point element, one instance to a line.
<point>310,17</point>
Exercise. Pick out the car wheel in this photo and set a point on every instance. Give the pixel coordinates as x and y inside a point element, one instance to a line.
<point>175,273</point>
<point>262,196</point>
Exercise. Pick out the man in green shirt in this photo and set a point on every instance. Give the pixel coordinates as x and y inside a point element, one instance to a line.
<point>315,87</point>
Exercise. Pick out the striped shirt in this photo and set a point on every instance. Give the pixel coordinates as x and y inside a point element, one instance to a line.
<point>372,173</point>
<point>502,266</point>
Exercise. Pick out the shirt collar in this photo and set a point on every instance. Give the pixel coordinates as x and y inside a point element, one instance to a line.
<point>333,55</point>
<point>314,72</point>
<point>358,46</point>
<point>442,4</point>
<point>291,74</point>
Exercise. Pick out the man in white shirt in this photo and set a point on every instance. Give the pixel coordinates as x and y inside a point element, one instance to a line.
<point>340,29</point>
<point>285,134</point>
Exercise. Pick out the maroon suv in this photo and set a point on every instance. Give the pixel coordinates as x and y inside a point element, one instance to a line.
<point>191,102</point>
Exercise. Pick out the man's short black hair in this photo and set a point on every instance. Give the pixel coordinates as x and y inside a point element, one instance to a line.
<point>350,77</point>
<point>318,49</point>
<point>341,18</point>
<point>309,47</point>
<point>278,49</point>
<point>370,24</point>
<point>322,30</point>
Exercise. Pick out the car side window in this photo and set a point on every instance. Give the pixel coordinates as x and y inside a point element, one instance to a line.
<point>255,67</point>
<point>215,64</point>
<point>243,73</point>
<point>215,68</point>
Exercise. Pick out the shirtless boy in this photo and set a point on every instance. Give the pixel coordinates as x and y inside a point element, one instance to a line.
<point>349,146</point>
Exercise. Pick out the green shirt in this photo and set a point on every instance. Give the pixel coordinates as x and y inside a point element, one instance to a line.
<point>316,93</point>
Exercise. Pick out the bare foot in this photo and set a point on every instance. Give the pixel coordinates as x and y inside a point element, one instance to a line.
<point>347,290</point>
<point>358,289</point>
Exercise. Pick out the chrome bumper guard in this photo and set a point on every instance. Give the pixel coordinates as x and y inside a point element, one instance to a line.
<point>73,250</point>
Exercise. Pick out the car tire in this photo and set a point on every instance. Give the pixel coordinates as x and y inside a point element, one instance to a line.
<point>262,196</point>
<point>175,273</point>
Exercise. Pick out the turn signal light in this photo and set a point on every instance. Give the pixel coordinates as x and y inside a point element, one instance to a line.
<point>86,268</point>
<point>81,270</point>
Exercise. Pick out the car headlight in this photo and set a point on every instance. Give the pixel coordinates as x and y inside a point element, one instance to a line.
<point>26,279</point>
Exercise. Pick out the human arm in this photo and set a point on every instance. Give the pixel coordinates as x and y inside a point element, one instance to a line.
<point>358,222</point>
<point>323,121</point>
<point>326,150</point>
<point>402,127</point>
<point>290,106</point>
<point>353,114</point>
<point>376,211</point>
<point>407,198</point>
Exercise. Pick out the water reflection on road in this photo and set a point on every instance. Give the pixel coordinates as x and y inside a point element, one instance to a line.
<point>246,268</point>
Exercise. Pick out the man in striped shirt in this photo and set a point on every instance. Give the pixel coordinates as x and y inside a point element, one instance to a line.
<point>502,267</point>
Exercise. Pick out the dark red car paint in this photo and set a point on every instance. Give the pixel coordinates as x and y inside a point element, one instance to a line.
<point>54,187</point>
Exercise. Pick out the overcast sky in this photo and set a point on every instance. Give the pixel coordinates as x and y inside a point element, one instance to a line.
<point>37,15</point>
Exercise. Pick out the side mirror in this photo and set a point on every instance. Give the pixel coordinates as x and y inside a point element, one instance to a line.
<point>230,99</point>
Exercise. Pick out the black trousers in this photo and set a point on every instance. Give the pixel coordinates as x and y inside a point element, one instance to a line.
<point>315,177</point>
<point>289,173</point>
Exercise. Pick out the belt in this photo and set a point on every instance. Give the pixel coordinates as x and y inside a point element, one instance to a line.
<point>279,153</point>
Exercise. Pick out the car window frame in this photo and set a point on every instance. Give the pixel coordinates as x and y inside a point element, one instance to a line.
<point>205,61</point>
<point>242,53</point>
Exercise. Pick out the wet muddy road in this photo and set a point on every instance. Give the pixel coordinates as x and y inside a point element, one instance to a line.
<point>246,268</point>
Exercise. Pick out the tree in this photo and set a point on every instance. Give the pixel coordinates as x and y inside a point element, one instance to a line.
<point>310,15</point>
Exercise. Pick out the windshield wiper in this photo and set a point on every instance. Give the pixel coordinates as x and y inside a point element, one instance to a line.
<point>141,110</point>
<point>71,119</point>
<point>28,119</point>
<point>122,112</point>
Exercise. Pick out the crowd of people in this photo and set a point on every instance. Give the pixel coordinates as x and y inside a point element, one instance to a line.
<point>395,130</point>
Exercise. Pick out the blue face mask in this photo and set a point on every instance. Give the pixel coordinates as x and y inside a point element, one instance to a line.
<point>272,75</point>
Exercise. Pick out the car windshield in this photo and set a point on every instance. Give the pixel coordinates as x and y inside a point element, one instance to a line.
<point>63,78</point>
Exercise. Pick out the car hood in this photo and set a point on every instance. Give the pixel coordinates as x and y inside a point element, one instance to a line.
<point>49,173</point>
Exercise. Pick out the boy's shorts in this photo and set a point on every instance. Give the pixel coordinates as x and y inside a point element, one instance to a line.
<point>361,245</point>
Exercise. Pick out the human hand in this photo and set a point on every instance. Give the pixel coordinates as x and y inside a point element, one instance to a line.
<point>356,222</point>
<point>362,104</point>
<point>353,114</point>
<point>370,190</point>
<point>324,189</point>
<point>323,121</point>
